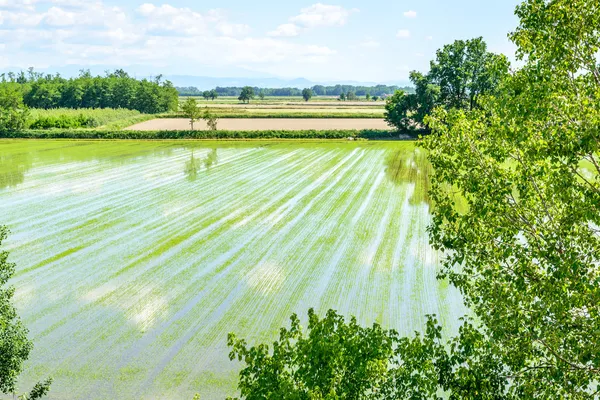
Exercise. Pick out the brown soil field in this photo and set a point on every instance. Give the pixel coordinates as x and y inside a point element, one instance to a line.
<point>261,124</point>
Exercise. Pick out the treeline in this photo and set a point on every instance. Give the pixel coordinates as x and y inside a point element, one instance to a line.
<point>318,90</point>
<point>114,90</point>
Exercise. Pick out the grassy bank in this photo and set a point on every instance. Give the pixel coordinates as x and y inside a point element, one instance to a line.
<point>154,135</point>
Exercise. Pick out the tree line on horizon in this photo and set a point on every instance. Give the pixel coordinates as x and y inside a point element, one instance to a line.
<point>317,90</point>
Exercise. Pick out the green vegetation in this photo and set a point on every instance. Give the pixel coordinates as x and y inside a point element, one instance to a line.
<point>307,94</point>
<point>521,154</point>
<point>460,75</point>
<point>64,118</point>
<point>15,347</point>
<point>246,95</point>
<point>13,113</point>
<point>210,134</point>
<point>115,90</point>
<point>190,110</point>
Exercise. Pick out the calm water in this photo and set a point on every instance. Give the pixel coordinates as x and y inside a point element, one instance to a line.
<point>135,259</point>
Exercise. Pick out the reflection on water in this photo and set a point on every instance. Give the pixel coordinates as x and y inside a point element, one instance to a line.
<point>211,159</point>
<point>410,165</point>
<point>13,168</point>
<point>193,165</point>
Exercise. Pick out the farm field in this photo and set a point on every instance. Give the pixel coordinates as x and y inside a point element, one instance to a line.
<point>258,124</point>
<point>135,259</point>
<point>291,100</point>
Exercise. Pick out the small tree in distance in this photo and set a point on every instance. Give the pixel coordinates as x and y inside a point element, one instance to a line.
<point>368,96</point>
<point>213,94</point>
<point>247,94</point>
<point>211,119</point>
<point>375,98</point>
<point>351,96</point>
<point>343,96</point>
<point>261,95</point>
<point>206,95</point>
<point>190,110</point>
<point>307,94</point>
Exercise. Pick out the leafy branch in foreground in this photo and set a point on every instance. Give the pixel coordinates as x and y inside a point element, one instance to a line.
<point>14,344</point>
<point>342,360</point>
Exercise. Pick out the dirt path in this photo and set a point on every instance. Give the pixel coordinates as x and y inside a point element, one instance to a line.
<point>264,124</point>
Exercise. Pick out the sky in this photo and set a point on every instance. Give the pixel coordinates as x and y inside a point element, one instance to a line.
<point>345,40</point>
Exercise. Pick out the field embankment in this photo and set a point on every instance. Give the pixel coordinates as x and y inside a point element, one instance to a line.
<point>242,124</point>
<point>366,134</point>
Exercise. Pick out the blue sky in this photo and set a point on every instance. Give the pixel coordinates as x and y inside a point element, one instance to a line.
<point>372,41</point>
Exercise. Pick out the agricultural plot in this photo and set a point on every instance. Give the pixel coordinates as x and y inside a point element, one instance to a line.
<point>135,259</point>
<point>265,124</point>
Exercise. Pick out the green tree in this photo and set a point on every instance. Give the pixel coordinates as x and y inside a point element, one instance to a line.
<point>461,74</point>
<point>368,96</point>
<point>211,119</point>
<point>525,250</point>
<point>351,96</point>
<point>375,98</point>
<point>14,344</point>
<point>213,94</point>
<point>247,94</point>
<point>190,110</point>
<point>261,95</point>
<point>343,96</point>
<point>465,70</point>
<point>307,94</point>
<point>206,95</point>
<point>13,114</point>
<point>398,110</point>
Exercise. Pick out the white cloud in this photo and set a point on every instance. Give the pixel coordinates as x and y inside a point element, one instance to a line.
<point>320,14</point>
<point>285,30</point>
<point>403,34</point>
<point>428,37</point>
<point>410,14</point>
<point>91,33</point>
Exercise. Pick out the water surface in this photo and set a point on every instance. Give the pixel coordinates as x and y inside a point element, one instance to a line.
<point>135,259</point>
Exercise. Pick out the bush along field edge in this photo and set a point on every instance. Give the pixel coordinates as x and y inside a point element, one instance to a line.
<point>365,134</point>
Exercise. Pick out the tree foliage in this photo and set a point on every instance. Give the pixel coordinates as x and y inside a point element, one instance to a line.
<point>115,90</point>
<point>14,344</point>
<point>13,113</point>
<point>307,94</point>
<point>525,253</point>
<point>461,73</point>
<point>247,94</point>
<point>190,110</point>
